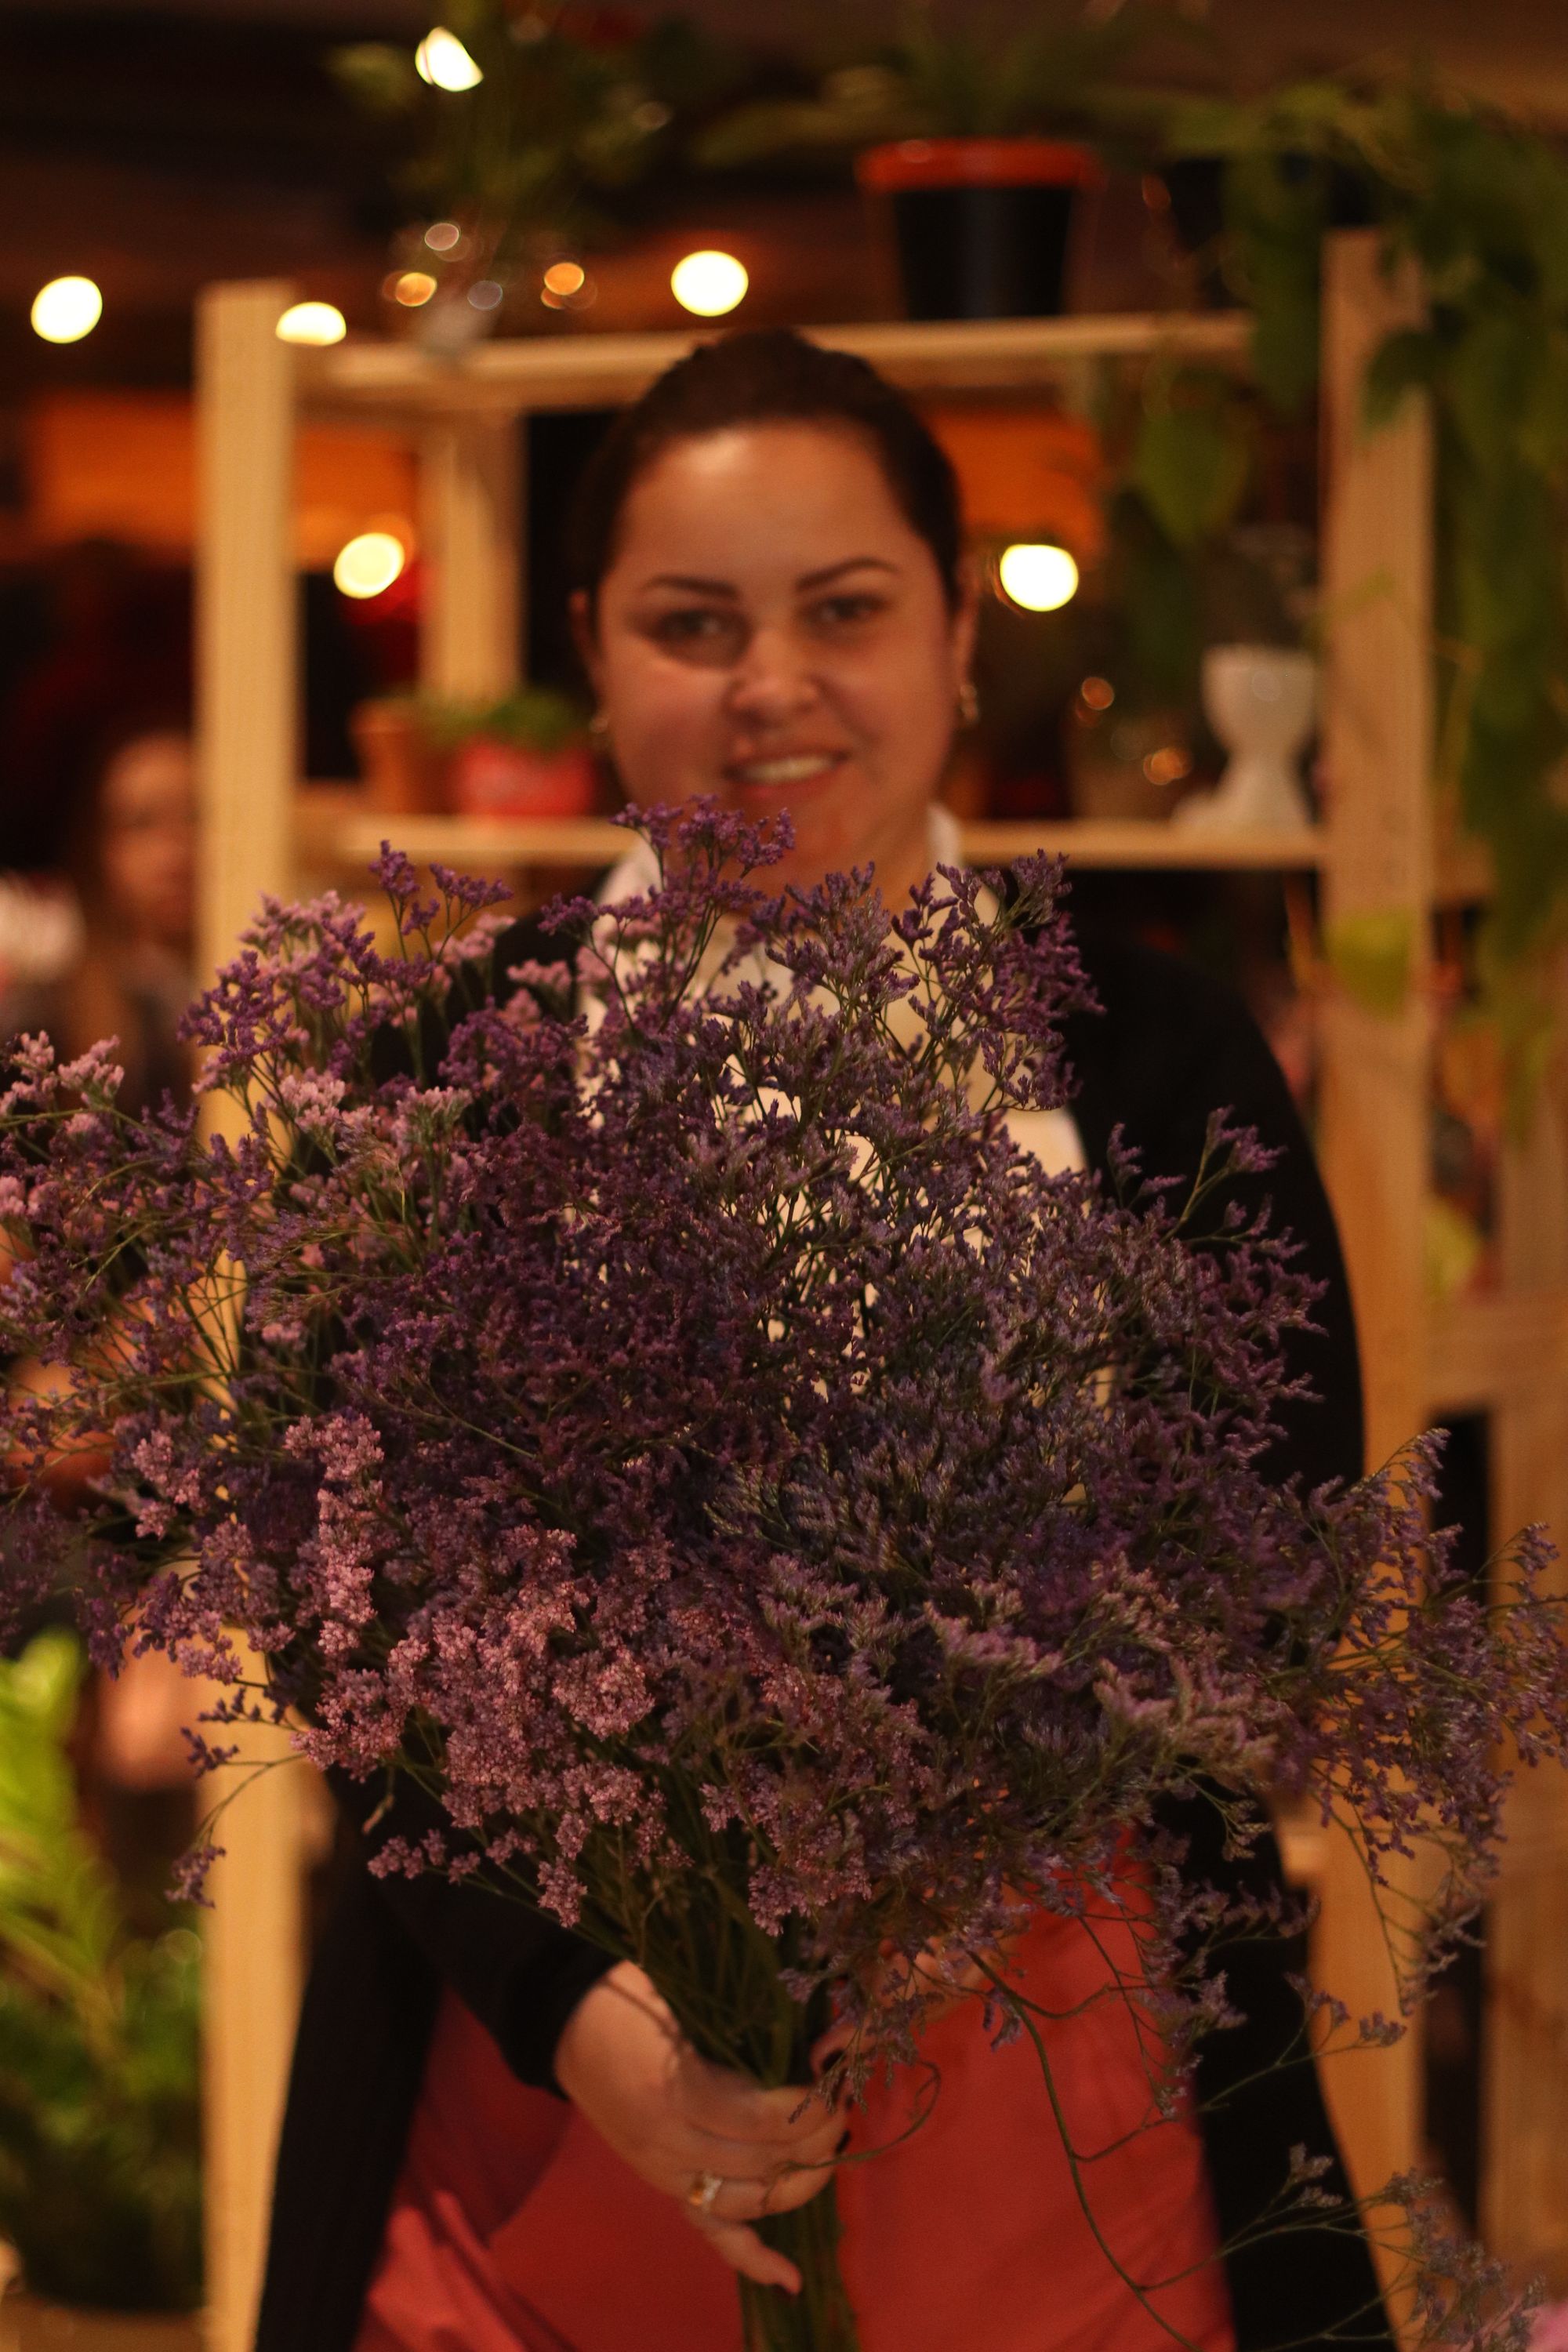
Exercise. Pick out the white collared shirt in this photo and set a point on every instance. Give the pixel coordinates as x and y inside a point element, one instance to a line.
<point>1051,1136</point>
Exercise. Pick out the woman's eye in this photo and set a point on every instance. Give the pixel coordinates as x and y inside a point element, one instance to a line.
<point>699,629</point>
<point>844,612</point>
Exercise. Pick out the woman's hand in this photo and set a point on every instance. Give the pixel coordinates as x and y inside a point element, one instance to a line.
<point>676,2119</point>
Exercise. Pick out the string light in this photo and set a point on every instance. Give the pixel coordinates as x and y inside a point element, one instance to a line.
<point>1038,578</point>
<point>565,277</point>
<point>443,61</point>
<point>709,284</point>
<point>369,563</point>
<point>65,310</point>
<point>316,323</point>
<point>412,287</point>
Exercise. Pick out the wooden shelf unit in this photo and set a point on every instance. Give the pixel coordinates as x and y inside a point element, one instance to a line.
<point>339,832</point>
<point>1376,853</point>
<point>505,380</point>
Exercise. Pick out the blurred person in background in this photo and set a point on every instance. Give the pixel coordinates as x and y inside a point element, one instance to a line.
<point>128,856</point>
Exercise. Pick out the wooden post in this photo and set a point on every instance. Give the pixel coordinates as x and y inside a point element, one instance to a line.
<point>471,539</point>
<point>1377,734</point>
<point>248,730</point>
<point>1524,2198</point>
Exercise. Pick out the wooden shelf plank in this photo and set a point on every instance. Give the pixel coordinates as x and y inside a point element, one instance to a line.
<point>1134,847</point>
<point>1483,1350</point>
<point>334,830</point>
<point>589,371</point>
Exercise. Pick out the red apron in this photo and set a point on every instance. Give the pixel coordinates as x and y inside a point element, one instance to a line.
<point>515,2228</point>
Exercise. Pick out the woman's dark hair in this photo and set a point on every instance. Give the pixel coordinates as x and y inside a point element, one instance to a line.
<point>767,375</point>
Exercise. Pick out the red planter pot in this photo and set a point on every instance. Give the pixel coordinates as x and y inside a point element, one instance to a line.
<point>487,777</point>
<point>981,224</point>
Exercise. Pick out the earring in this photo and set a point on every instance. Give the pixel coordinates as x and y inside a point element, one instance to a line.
<point>968,703</point>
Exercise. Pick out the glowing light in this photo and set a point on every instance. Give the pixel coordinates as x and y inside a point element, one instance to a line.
<point>1097,693</point>
<point>65,310</point>
<point>709,284</point>
<point>369,563</point>
<point>445,63</point>
<point>317,323</point>
<point>1168,765</point>
<point>412,287</point>
<point>565,277</point>
<point>1039,577</point>
<point>485,293</point>
<point>442,236</point>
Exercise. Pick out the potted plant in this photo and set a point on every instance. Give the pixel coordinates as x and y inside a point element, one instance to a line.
<point>516,153</point>
<point>980,146</point>
<point>1478,202</point>
<point>99,2141</point>
<point>526,754</point>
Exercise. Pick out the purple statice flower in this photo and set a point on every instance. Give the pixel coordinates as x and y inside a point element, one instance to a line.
<point>685,1435</point>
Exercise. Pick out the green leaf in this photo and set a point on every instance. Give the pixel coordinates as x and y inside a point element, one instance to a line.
<point>1192,463</point>
<point>1373,957</point>
<point>381,78</point>
<point>1405,362</point>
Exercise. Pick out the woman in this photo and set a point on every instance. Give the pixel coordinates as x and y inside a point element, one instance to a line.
<point>129,856</point>
<point>495,2139</point>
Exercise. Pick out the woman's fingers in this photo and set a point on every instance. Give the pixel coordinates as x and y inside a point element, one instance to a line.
<point>794,2122</point>
<point>749,2198</point>
<point>744,2251</point>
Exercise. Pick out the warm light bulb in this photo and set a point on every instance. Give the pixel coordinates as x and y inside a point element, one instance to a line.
<point>566,277</point>
<point>443,61</point>
<point>1041,578</point>
<point>708,283</point>
<point>65,310</point>
<point>369,563</point>
<point>412,287</point>
<point>317,323</point>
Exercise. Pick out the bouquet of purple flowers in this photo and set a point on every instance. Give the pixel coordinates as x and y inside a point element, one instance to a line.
<point>666,1416</point>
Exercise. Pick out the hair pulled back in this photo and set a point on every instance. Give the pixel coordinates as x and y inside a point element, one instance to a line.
<point>767,375</point>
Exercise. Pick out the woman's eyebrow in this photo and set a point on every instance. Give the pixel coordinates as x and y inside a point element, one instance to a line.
<point>850,563</point>
<point>690,584</point>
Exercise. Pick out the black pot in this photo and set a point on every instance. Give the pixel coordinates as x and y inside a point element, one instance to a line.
<point>982,226</point>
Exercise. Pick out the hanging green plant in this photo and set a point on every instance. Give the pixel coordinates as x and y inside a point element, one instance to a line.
<point>1479,203</point>
<point>1062,76</point>
<point>525,122</point>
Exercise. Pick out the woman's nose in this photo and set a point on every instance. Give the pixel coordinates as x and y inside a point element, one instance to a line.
<point>772,683</point>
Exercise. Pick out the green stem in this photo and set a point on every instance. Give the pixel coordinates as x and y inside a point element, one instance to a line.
<point>819,2318</point>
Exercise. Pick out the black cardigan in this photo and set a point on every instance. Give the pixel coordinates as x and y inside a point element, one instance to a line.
<point>1168,1047</point>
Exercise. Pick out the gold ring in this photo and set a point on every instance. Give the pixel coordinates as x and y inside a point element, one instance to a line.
<point>703,2190</point>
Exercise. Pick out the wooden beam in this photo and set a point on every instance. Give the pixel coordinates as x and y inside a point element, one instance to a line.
<point>1377,602</point>
<point>588,370</point>
<point>247,668</point>
<point>1485,1351</point>
<point>471,539</point>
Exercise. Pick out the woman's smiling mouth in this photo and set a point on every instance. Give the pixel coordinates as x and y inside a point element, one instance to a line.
<point>783,769</point>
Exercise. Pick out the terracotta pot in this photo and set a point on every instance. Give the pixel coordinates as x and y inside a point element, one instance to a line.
<point>401,777</point>
<point>27,2324</point>
<point>487,777</point>
<point>981,224</point>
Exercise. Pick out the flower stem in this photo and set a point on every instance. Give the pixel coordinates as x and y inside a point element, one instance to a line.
<point>818,2319</point>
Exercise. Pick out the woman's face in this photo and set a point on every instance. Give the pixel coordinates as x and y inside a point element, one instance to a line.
<point>146,851</point>
<point>773,631</point>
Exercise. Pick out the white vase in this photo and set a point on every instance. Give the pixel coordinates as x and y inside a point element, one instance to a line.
<point>1261,701</point>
